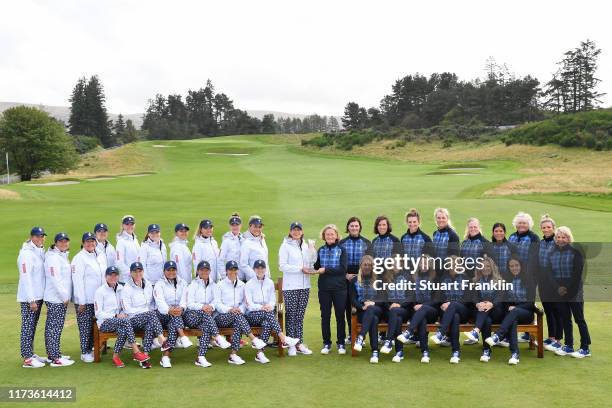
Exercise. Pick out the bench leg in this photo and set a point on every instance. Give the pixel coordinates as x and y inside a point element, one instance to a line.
<point>540,339</point>
<point>353,334</point>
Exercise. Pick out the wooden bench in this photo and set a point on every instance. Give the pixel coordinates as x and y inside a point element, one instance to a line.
<point>101,338</point>
<point>534,329</point>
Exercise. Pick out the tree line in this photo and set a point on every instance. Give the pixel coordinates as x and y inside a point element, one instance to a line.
<point>501,98</point>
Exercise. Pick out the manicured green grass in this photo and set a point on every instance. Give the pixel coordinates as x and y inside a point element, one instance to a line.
<point>283,183</point>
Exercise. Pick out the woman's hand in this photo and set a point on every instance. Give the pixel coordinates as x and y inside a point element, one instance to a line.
<point>207,309</point>
<point>394,305</point>
<point>33,306</point>
<point>562,291</point>
<point>81,309</point>
<point>350,276</point>
<point>321,270</point>
<point>444,306</point>
<point>511,307</point>
<point>417,307</point>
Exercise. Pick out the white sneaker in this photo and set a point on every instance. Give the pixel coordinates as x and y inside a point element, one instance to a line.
<point>455,358</point>
<point>292,352</point>
<point>87,358</point>
<point>165,362</point>
<point>290,342</point>
<point>503,343</point>
<point>222,342</point>
<point>185,342</point>
<point>469,342</point>
<point>261,358</point>
<point>41,359</point>
<point>341,349</point>
<point>425,358</point>
<point>61,362</point>
<point>178,344</point>
<point>156,344</point>
<point>386,348</point>
<point>398,357</point>
<point>514,360</point>
<point>202,362</point>
<point>258,343</point>
<point>303,349</point>
<point>235,359</point>
<point>326,348</point>
<point>48,361</point>
<point>32,363</point>
<point>374,358</point>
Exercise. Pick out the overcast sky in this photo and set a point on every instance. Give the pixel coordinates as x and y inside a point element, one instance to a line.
<point>299,57</point>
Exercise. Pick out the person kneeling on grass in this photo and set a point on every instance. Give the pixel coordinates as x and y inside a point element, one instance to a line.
<point>231,306</point>
<point>519,301</point>
<point>109,317</point>
<point>137,301</point>
<point>370,309</point>
<point>170,301</point>
<point>455,308</point>
<point>200,298</point>
<point>489,305</point>
<point>425,306</point>
<point>260,302</point>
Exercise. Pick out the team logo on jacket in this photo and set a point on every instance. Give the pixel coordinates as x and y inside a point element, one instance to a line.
<point>23,268</point>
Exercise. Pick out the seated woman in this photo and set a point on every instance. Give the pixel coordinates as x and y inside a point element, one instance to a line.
<point>489,306</point>
<point>110,318</point>
<point>137,301</point>
<point>231,307</point>
<point>261,302</point>
<point>519,304</point>
<point>456,307</point>
<point>170,301</point>
<point>399,311</point>
<point>371,308</point>
<point>425,306</point>
<point>201,296</point>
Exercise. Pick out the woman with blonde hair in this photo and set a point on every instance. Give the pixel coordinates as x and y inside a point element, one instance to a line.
<point>127,247</point>
<point>488,302</point>
<point>554,324</point>
<point>331,268</point>
<point>473,246</point>
<point>445,240</point>
<point>366,300</point>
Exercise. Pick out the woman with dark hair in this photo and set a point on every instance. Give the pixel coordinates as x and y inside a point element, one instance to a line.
<point>500,249</point>
<point>153,254</point>
<point>385,244</point>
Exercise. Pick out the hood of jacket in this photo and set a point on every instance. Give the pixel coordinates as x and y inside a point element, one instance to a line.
<point>178,241</point>
<point>230,235</point>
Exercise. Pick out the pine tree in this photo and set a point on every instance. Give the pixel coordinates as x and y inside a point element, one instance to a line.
<point>119,128</point>
<point>130,134</point>
<point>78,109</point>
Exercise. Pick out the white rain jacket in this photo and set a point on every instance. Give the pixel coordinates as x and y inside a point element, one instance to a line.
<point>206,249</point>
<point>180,253</point>
<point>109,250</point>
<point>259,293</point>
<point>107,302</point>
<point>199,294</point>
<point>136,299</point>
<point>58,277</point>
<point>30,263</point>
<point>291,259</point>
<point>168,293</point>
<point>253,248</point>
<point>231,294</point>
<point>127,253</point>
<point>230,247</point>
<point>88,273</point>
<point>153,255</point>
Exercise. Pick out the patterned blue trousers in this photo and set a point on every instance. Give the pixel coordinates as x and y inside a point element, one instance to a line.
<point>56,315</point>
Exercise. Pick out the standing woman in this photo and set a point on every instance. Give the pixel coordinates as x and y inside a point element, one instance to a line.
<point>455,308</point>
<point>445,240</point>
<point>88,274</point>
<point>58,291</point>
<point>554,322</point>
<point>231,305</point>
<point>500,249</point>
<point>370,309</point>
<point>180,253</point>
<point>356,246</point>
<point>30,291</point>
<point>128,247</point>
<point>253,248</point>
<point>232,240</point>
<point>566,265</point>
<point>137,302</point>
<point>473,247</point>
<point>331,267</point>
<point>261,304</point>
<point>489,305</point>
<point>103,244</point>
<point>201,296</point>
<point>169,297</point>
<point>385,244</point>
<point>415,242</point>
<point>425,307</point>
<point>153,254</point>
<point>205,248</point>
<point>519,304</point>
<point>295,260</point>
<point>526,242</point>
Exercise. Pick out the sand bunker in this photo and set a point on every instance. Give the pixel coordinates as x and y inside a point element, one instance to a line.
<point>9,195</point>
<point>53,183</point>
<point>137,175</point>
<point>101,178</point>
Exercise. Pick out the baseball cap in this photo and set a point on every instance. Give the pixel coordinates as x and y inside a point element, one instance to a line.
<point>170,265</point>
<point>180,226</point>
<point>153,228</point>
<point>61,236</point>
<point>88,236</point>
<point>112,269</point>
<point>206,224</point>
<point>135,266</point>
<point>128,219</point>
<point>203,265</point>
<point>231,265</point>
<point>260,263</point>
<point>295,224</point>
<point>38,231</point>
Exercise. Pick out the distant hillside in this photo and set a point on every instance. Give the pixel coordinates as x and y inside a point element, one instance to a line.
<point>63,113</point>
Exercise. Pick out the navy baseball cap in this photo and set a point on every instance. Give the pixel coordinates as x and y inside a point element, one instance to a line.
<point>295,224</point>
<point>101,227</point>
<point>135,266</point>
<point>255,221</point>
<point>153,228</point>
<point>38,231</point>
<point>203,265</point>
<point>112,269</point>
<point>88,236</point>
<point>231,265</point>
<point>169,265</point>
<point>61,236</point>
<point>128,220</point>
<point>235,220</point>
<point>206,224</point>
<point>260,263</point>
<point>181,226</point>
